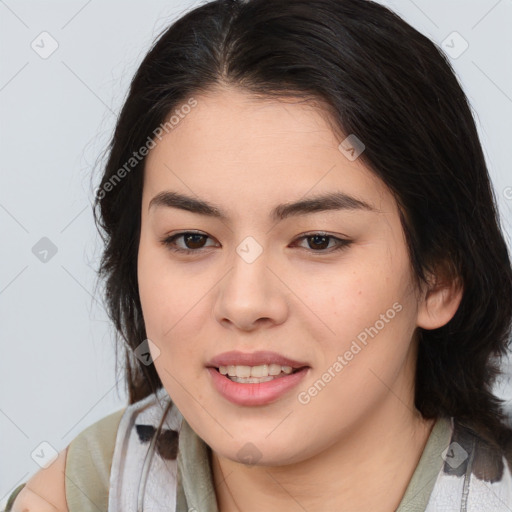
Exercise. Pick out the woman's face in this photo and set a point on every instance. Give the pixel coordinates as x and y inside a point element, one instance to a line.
<point>341,304</point>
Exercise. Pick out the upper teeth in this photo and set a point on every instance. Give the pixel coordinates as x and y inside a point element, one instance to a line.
<point>263,370</point>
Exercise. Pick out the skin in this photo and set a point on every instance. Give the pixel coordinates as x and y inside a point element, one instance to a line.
<point>45,491</point>
<point>247,155</point>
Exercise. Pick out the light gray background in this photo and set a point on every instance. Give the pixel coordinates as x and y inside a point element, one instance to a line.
<point>57,114</point>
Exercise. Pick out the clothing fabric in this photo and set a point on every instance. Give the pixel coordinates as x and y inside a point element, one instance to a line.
<point>144,465</point>
<point>88,464</point>
<point>146,457</point>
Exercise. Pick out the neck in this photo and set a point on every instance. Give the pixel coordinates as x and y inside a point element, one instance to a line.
<point>368,468</point>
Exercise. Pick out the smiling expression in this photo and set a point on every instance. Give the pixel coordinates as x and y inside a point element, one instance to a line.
<point>268,268</point>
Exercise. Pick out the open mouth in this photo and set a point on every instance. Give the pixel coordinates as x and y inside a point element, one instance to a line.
<point>256,374</point>
<point>263,384</point>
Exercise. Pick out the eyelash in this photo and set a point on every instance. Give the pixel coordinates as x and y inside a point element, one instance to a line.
<point>168,242</point>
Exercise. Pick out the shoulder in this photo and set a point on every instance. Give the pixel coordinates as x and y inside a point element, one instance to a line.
<point>476,471</point>
<point>480,453</point>
<point>89,461</point>
<point>96,453</point>
<point>45,491</point>
<point>100,434</point>
<point>84,463</point>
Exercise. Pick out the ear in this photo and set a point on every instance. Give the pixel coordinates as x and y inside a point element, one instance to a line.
<point>439,302</point>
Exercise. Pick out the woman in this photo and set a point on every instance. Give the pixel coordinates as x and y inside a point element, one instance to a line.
<point>303,257</point>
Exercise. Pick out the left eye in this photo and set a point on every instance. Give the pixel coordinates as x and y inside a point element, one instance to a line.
<point>321,241</point>
<point>317,242</point>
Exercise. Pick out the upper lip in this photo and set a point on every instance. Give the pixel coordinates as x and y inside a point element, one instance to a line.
<point>235,358</point>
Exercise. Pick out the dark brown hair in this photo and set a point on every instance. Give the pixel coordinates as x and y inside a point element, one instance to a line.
<point>391,86</point>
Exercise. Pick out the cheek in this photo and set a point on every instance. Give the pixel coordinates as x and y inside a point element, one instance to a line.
<point>166,294</point>
<point>173,315</point>
<point>359,365</point>
<point>152,285</point>
<point>350,298</point>
<point>171,324</point>
<point>371,315</point>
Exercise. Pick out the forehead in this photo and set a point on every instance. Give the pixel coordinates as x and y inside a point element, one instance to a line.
<point>232,121</point>
<point>231,144</point>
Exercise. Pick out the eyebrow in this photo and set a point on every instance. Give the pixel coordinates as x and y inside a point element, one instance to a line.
<point>318,203</point>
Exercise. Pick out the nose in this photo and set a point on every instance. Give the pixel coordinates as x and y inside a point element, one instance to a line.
<point>251,295</point>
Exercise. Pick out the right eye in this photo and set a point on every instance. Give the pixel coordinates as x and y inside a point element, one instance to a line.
<point>193,242</point>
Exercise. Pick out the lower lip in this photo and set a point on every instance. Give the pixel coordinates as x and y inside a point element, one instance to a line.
<point>255,394</point>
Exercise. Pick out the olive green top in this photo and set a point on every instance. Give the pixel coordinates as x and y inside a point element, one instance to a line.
<point>90,454</point>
